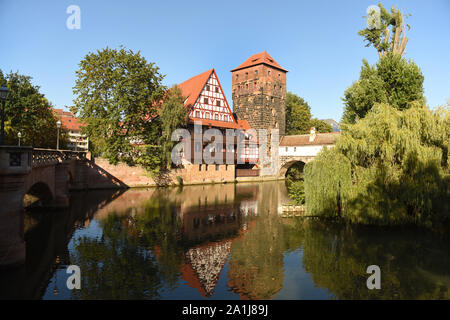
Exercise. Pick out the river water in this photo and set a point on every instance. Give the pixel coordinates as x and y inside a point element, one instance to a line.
<point>223,241</point>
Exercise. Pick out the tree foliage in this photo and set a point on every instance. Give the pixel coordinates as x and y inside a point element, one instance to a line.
<point>173,116</point>
<point>387,31</point>
<point>393,80</point>
<point>390,167</point>
<point>298,117</point>
<point>116,93</point>
<point>28,111</point>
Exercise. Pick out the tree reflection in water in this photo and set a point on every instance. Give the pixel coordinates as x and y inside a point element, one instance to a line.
<point>177,243</point>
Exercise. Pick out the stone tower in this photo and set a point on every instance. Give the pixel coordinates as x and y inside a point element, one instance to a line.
<point>259,93</point>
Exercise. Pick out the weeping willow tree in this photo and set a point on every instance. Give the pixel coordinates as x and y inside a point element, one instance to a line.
<point>390,167</point>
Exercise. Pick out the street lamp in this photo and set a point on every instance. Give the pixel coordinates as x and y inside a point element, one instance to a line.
<point>58,125</point>
<point>19,135</point>
<point>4,92</point>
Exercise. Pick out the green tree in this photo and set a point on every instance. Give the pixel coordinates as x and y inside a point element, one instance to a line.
<point>298,114</point>
<point>390,167</point>
<point>116,96</point>
<point>387,31</point>
<point>298,117</point>
<point>320,125</point>
<point>394,80</point>
<point>28,111</point>
<point>173,116</point>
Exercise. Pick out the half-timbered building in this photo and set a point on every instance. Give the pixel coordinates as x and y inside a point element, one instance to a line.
<point>208,108</point>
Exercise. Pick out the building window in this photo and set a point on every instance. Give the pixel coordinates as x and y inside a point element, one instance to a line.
<point>287,149</point>
<point>216,116</point>
<point>237,76</point>
<point>207,88</point>
<point>246,86</point>
<point>246,75</point>
<point>197,114</point>
<point>217,89</point>
<point>268,72</point>
<point>279,76</point>
<point>205,100</point>
<point>256,72</point>
<point>295,149</point>
<point>218,103</point>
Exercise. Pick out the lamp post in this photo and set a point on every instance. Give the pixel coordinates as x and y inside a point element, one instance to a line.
<point>19,135</point>
<point>4,92</point>
<point>58,125</point>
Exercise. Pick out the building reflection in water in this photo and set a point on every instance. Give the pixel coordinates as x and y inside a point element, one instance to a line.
<point>214,241</point>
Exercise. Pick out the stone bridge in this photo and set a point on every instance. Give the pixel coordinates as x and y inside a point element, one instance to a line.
<point>41,174</point>
<point>302,148</point>
<point>285,162</point>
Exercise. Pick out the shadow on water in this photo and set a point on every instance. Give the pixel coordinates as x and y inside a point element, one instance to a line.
<point>219,242</point>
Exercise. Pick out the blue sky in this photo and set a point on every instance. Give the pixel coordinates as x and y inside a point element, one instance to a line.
<point>316,41</point>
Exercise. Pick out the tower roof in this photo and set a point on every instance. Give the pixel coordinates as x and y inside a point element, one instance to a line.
<point>260,58</point>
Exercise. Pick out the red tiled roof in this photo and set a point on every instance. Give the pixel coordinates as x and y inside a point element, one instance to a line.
<point>68,120</point>
<point>303,139</point>
<point>191,88</point>
<point>260,58</point>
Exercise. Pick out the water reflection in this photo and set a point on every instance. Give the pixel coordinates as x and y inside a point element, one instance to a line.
<point>219,241</point>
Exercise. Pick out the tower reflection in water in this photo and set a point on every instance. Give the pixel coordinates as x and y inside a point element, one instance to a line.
<point>218,242</point>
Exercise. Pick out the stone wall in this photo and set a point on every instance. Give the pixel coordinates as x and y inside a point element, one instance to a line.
<point>101,174</point>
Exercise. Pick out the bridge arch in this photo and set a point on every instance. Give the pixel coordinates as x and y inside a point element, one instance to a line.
<point>288,162</point>
<point>291,164</point>
<point>38,194</point>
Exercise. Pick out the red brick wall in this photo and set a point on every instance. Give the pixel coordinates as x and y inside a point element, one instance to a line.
<point>101,174</point>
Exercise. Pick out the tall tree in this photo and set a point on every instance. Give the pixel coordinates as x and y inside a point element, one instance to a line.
<point>28,111</point>
<point>393,80</point>
<point>386,31</point>
<point>116,90</point>
<point>298,117</point>
<point>298,114</point>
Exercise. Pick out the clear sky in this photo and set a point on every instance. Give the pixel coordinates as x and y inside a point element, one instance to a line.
<point>316,41</point>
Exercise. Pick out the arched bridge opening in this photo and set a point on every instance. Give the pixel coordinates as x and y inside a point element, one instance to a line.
<point>38,195</point>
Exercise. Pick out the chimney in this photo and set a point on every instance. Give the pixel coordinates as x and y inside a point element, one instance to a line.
<point>312,134</point>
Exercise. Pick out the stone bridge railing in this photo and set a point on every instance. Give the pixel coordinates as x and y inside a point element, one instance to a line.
<point>45,157</point>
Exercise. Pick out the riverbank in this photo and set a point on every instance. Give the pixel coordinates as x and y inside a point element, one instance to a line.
<point>100,174</point>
